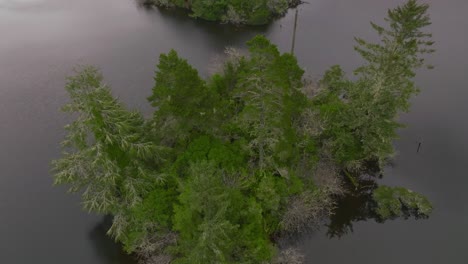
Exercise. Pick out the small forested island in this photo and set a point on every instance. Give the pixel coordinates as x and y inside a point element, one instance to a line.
<point>249,12</point>
<point>227,167</point>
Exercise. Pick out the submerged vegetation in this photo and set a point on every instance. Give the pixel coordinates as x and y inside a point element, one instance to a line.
<point>250,12</point>
<point>227,166</point>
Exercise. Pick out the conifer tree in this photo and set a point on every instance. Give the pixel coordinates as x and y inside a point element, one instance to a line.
<point>360,116</point>
<point>270,102</point>
<point>184,105</point>
<point>107,156</point>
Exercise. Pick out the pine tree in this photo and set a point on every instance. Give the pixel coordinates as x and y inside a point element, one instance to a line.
<point>361,115</point>
<point>184,105</point>
<point>216,221</point>
<point>106,154</point>
<point>270,103</point>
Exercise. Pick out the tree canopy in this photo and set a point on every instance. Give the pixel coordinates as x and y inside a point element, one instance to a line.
<point>360,116</point>
<point>227,166</point>
<point>251,12</point>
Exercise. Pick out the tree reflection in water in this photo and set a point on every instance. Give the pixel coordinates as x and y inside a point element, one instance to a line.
<point>107,250</point>
<point>358,205</point>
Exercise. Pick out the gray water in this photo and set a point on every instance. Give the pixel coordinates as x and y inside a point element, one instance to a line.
<point>42,40</point>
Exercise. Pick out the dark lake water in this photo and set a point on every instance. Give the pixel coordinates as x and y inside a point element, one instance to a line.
<point>41,41</point>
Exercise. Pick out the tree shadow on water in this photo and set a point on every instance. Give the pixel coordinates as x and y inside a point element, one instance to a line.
<point>108,251</point>
<point>358,205</point>
<point>217,34</point>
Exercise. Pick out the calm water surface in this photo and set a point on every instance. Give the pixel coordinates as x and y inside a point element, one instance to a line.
<point>41,41</point>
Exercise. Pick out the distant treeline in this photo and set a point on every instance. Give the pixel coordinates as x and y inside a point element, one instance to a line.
<point>250,12</point>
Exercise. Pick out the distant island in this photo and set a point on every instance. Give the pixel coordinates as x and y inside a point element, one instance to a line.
<point>239,12</point>
<point>228,166</point>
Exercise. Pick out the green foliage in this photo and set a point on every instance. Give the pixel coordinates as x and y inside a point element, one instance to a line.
<point>209,9</point>
<point>223,166</point>
<point>106,157</point>
<point>183,101</point>
<point>106,152</point>
<point>217,224</point>
<point>270,102</point>
<point>251,12</point>
<point>230,156</point>
<point>233,150</point>
<point>215,163</point>
<point>361,116</point>
<point>397,201</point>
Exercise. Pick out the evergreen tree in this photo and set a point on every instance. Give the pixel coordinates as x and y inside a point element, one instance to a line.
<point>270,102</point>
<point>217,222</point>
<point>184,104</point>
<point>106,154</point>
<point>360,116</point>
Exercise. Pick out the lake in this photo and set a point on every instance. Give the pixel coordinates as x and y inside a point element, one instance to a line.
<point>42,40</point>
